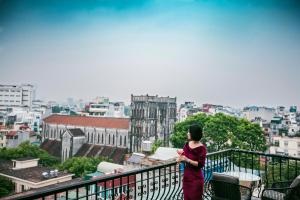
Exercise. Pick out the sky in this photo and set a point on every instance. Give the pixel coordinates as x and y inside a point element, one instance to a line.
<point>229,52</point>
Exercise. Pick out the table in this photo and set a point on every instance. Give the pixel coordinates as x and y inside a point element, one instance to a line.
<point>246,179</point>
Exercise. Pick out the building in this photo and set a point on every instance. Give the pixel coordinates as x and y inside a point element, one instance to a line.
<point>16,96</point>
<point>15,138</point>
<point>26,174</point>
<point>289,146</point>
<point>152,118</point>
<point>187,109</point>
<point>3,137</point>
<point>102,107</point>
<point>124,184</point>
<point>65,136</point>
<point>253,112</point>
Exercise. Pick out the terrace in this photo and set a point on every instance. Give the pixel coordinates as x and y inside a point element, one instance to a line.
<point>164,181</point>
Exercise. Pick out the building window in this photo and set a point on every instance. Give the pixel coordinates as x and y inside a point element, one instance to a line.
<point>299,153</point>
<point>22,188</point>
<point>125,144</point>
<point>276,143</point>
<point>113,139</point>
<point>286,143</point>
<point>120,140</point>
<point>109,139</point>
<point>298,144</point>
<point>102,139</point>
<point>98,138</point>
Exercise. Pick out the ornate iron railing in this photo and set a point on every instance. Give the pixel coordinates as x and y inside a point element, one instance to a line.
<point>165,181</point>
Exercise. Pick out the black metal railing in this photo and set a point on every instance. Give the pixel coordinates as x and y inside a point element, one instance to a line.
<point>165,181</point>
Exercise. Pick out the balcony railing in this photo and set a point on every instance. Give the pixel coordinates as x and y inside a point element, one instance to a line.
<point>165,181</point>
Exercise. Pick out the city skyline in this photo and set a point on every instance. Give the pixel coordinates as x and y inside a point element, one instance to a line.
<point>235,53</point>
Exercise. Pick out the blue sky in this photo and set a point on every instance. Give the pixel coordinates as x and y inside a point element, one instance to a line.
<point>228,52</point>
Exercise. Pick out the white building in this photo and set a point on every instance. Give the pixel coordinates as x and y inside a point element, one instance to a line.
<point>187,109</point>
<point>15,138</point>
<point>289,146</point>
<point>16,96</point>
<point>253,112</point>
<point>102,107</point>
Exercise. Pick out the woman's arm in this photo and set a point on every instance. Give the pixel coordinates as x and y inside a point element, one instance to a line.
<point>183,158</point>
<point>196,163</point>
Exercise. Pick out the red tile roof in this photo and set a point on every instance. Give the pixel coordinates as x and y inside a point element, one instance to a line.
<point>11,133</point>
<point>100,122</point>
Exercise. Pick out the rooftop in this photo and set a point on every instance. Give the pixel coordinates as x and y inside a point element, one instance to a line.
<point>77,132</point>
<point>87,121</point>
<point>33,174</point>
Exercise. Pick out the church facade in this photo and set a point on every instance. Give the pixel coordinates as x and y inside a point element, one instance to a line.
<point>152,118</point>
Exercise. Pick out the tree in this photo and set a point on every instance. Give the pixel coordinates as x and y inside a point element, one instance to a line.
<point>6,186</point>
<point>222,132</point>
<point>219,131</point>
<point>155,145</point>
<point>80,166</point>
<point>26,149</point>
<point>179,137</point>
<point>249,136</point>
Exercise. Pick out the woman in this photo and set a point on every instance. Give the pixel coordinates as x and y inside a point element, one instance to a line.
<point>193,155</point>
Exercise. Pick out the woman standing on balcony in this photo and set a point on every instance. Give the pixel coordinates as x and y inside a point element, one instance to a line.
<point>193,155</point>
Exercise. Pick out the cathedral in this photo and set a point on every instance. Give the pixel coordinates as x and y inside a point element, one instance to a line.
<point>67,136</point>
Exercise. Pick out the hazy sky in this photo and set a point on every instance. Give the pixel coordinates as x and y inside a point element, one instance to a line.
<point>231,52</point>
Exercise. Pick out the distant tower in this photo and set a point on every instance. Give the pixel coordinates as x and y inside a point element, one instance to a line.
<point>152,118</point>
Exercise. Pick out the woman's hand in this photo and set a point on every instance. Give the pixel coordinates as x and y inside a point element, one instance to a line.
<point>181,159</point>
<point>180,152</point>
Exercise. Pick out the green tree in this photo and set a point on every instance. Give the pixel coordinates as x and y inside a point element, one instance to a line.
<point>81,166</point>
<point>6,186</point>
<point>219,131</point>
<point>26,149</point>
<point>179,136</point>
<point>222,132</point>
<point>155,145</point>
<point>249,136</point>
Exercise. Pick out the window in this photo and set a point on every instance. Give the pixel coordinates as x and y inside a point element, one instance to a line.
<point>298,144</point>
<point>102,139</point>
<point>299,153</point>
<point>286,143</point>
<point>276,143</point>
<point>113,139</point>
<point>120,140</point>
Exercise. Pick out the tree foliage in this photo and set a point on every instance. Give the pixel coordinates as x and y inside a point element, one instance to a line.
<point>222,132</point>
<point>6,186</point>
<point>26,149</point>
<point>179,137</point>
<point>81,166</point>
<point>155,145</point>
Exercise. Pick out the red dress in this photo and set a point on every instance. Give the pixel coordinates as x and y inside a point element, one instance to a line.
<point>193,179</point>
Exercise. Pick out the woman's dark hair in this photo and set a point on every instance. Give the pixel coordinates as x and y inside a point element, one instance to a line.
<point>195,132</point>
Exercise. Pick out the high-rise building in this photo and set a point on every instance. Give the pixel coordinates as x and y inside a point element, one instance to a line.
<point>152,118</point>
<point>16,96</point>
